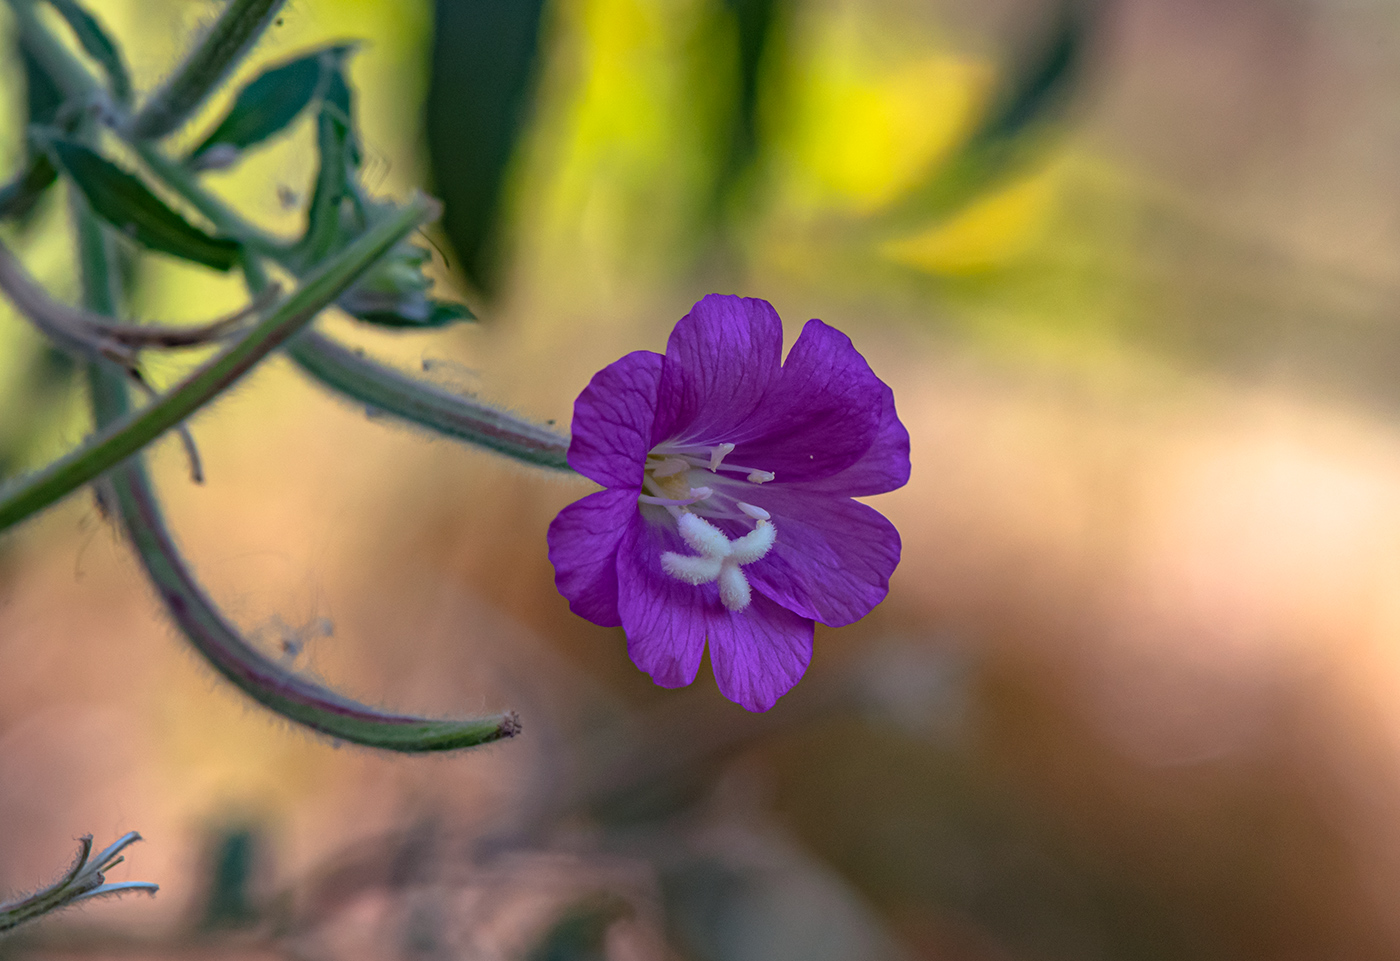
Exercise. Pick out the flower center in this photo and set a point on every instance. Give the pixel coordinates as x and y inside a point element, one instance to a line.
<point>693,483</point>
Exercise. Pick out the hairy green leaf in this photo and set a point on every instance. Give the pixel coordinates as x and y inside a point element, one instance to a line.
<point>271,101</point>
<point>129,205</point>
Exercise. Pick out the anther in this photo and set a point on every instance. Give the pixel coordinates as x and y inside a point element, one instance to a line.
<point>760,476</point>
<point>757,513</point>
<point>718,453</point>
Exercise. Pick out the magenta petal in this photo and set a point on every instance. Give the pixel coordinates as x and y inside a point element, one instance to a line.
<point>612,421</point>
<point>832,559</point>
<point>759,653</point>
<point>884,467</point>
<point>583,542</point>
<point>720,361</point>
<point>663,617</point>
<point>820,415</point>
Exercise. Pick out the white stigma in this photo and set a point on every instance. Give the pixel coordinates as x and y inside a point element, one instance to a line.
<point>720,559</point>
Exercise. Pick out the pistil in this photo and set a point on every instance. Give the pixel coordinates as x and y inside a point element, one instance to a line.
<point>719,558</point>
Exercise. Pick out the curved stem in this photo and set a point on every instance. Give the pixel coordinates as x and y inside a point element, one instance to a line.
<point>268,683</point>
<point>82,881</point>
<point>91,334</point>
<point>125,437</point>
<point>261,678</point>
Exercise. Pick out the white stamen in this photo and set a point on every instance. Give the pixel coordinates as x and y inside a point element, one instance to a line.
<point>692,570</point>
<point>760,476</point>
<point>700,493</point>
<point>757,513</point>
<point>734,590</point>
<point>754,545</point>
<point>669,466</point>
<point>718,453</point>
<point>704,537</point>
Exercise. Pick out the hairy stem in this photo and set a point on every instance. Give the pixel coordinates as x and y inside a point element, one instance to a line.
<point>80,882</point>
<point>247,668</point>
<point>236,30</point>
<point>125,437</point>
<point>412,400</point>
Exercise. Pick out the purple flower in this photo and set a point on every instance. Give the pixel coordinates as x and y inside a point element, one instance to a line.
<point>727,514</point>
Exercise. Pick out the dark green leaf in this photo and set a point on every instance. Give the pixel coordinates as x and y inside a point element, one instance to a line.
<point>440,313</point>
<point>127,204</point>
<point>43,98</point>
<point>395,293</point>
<point>17,198</point>
<point>1012,131</point>
<point>271,101</point>
<point>98,46</point>
<point>1040,90</point>
<point>338,158</point>
<point>233,861</point>
<point>484,56</point>
<point>753,20</point>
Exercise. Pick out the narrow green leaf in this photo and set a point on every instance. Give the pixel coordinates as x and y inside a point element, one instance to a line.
<point>754,22</point>
<point>436,313</point>
<point>18,197</point>
<point>439,313</point>
<point>1012,131</point>
<point>43,96</point>
<point>484,64</point>
<point>271,101</point>
<point>98,46</point>
<point>395,293</point>
<point>338,157</point>
<point>129,205</point>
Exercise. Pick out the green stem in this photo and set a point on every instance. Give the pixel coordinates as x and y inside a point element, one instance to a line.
<point>236,30</point>
<point>262,679</point>
<point>248,669</point>
<point>123,438</point>
<point>407,398</point>
<point>82,881</point>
